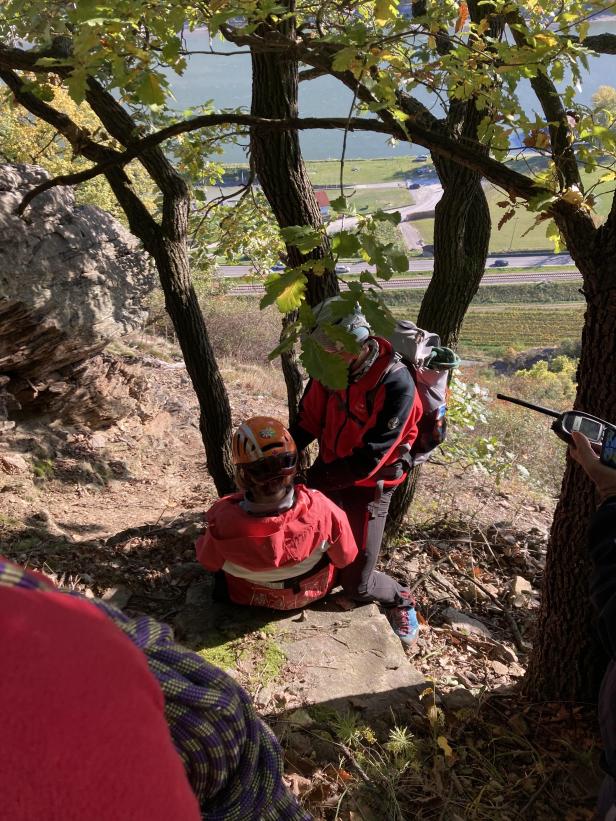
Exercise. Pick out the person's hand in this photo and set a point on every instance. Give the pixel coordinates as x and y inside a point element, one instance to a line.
<point>603,477</point>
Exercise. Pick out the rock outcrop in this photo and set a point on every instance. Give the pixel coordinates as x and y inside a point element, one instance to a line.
<point>71,279</point>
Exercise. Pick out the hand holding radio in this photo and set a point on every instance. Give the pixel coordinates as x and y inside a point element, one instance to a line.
<point>599,471</point>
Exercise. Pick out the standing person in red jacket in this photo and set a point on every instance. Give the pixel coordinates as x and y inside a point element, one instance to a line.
<point>279,545</point>
<point>365,433</point>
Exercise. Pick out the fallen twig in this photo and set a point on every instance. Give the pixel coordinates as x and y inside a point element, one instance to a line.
<point>517,636</point>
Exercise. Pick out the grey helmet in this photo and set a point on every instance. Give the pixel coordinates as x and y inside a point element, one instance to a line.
<point>356,323</point>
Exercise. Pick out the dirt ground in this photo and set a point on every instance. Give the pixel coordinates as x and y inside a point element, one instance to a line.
<point>115,513</point>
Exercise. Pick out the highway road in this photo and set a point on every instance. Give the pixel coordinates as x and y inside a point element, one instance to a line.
<point>533,261</point>
<point>245,289</point>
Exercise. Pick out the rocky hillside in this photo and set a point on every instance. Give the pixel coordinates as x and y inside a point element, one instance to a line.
<point>371,731</point>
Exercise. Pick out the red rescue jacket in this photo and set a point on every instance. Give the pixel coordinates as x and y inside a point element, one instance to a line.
<point>361,429</point>
<point>282,561</point>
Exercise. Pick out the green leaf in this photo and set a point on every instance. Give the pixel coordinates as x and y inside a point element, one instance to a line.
<point>378,315</point>
<point>369,278</point>
<point>149,89</point>
<point>387,216</point>
<point>345,244</point>
<point>339,334</point>
<point>344,58</point>
<point>339,205</point>
<point>303,237</point>
<point>285,345</point>
<point>327,368</point>
<point>398,261</point>
<point>286,290</point>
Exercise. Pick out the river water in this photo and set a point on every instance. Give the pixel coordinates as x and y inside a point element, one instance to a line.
<point>227,82</point>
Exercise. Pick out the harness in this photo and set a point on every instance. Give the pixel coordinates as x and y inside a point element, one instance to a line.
<point>294,582</point>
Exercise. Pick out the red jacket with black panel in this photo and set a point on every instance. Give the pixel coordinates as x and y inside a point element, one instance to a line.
<point>362,430</point>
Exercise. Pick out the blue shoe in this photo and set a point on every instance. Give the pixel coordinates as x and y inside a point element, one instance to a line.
<point>404,623</point>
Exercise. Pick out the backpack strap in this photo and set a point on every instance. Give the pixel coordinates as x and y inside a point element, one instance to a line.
<point>396,364</point>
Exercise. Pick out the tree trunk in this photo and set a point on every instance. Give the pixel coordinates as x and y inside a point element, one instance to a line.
<point>183,307</point>
<point>168,245</point>
<point>276,159</point>
<point>567,660</point>
<point>462,228</point>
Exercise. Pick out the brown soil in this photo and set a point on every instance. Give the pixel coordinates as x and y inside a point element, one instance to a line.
<point>121,508</point>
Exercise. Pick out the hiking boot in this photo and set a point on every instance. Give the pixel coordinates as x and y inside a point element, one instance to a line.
<point>403,620</point>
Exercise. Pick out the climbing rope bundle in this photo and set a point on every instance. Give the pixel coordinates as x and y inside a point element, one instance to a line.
<point>232,759</point>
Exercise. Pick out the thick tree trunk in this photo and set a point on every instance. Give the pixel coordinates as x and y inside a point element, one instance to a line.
<point>185,312</point>
<point>168,245</point>
<point>462,229</point>
<point>567,660</point>
<point>276,159</point>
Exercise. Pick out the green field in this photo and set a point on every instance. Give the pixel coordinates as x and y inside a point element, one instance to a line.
<point>521,316</point>
<point>494,329</point>
<point>521,232</point>
<point>528,293</point>
<point>327,172</point>
<point>367,200</point>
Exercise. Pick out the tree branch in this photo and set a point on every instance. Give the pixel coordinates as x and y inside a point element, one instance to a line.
<point>600,43</point>
<point>561,144</point>
<point>139,148</point>
<point>310,74</point>
<point>140,220</point>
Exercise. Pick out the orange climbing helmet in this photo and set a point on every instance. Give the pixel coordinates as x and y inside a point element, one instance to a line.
<point>263,451</point>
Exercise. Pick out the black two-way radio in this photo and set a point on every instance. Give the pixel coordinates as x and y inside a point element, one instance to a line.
<point>597,431</point>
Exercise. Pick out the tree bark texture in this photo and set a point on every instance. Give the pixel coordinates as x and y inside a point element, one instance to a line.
<point>276,159</point>
<point>169,248</point>
<point>567,660</point>
<point>462,228</point>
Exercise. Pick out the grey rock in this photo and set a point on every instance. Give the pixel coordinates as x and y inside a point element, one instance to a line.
<point>13,463</point>
<point>500,669</point>
<point>465,624</point>
<point>459,699</point>
<point>117,596</point>
<point>521,591</point>
<point>353,659</point>
<point>72,278</point>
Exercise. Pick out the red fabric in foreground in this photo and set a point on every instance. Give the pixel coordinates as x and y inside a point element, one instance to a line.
<point>83,729</point>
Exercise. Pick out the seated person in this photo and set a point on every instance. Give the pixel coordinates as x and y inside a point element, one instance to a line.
<point>279,545</point>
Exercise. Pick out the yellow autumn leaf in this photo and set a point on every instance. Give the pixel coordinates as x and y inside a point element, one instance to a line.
<point>385,11</point>
<point>547,39</point>
<point>573,195</point>
<point>444,745</point>
<point>432,714</point>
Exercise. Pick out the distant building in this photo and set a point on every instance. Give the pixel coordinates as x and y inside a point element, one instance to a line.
<point>323,202</point>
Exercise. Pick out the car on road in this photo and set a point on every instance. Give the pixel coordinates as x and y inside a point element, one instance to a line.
<point>500,263</point>
<point>413,186</point>
<point>421,158</point>
<point>278,266</point>
<point>341,269</point>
